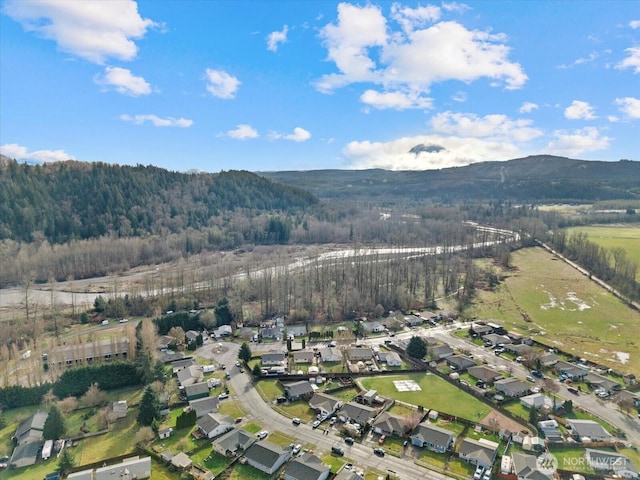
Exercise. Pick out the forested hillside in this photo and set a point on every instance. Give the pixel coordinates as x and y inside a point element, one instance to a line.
<point>77,200</point>
<point>535,179</point>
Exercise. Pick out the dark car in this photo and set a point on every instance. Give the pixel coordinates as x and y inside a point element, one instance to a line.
<point>281,399</point>
<point>348,441</point>
<point>337,450</point>
<point>379,452</point>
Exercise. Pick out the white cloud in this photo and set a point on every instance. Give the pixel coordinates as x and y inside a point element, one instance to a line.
<point>634,24</point>
<point>528,107</point>
<point>123,81</point>
<point>19,152</point>
<point>456,151</point>
<point>495,127</point>
<point>630,106</point>
<point>579,110</point>
<point>276,38</point>
<point>220,84</point>
<point>574,143</point>
<point>242,132</point>
<point>299,135</point>
<point>395,100</point>
<point>157,121</point>
<point>364,48</point>
<point>632,61</point>
<point>459,97</point>
<point>94,31</point>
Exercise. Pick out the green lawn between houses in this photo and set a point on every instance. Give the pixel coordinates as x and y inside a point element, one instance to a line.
<point>435,394</point>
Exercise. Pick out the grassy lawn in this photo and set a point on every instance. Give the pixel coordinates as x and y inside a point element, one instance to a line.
<point>247,472</point>
<point>438,460</point>
<point>281,439</point>
<point>233,409</point>
<point>436,394</point>
<point>269,390</point>
<point>572,459</point>
<point>346,395</point>
<point>298,409</point>
<point>517,409</point>
<point>626,237</point>
<point>394,446</point>
<point>252,427</point>
<point>333,461</point>
<point>212,461</point>
<point>459,467</point>
<point>565,309</point>
<point>117,442</point>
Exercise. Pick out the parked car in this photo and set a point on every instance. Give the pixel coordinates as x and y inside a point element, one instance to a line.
<point>337,450</point>
<point>477,475</point>
<point>573,390</point>
<point>223,395</point>
<point>531,379</point>
<point>537,373</point>
<point>296,421</point>
<point>296,449</point>
<point>348,440</point>
<point>262,434</point>
<point>281,399</point>
<point>378,451</point>
<point>315,424</point>
<point>332,421</point>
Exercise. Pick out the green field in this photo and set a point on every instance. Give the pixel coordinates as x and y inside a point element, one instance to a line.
<point>626,237</point>
<point>435,394</point>
<point>543,297</point>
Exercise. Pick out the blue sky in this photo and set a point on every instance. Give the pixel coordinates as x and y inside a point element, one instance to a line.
<point>302,85</point>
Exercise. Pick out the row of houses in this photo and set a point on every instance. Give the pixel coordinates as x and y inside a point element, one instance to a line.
<point>130,468</point>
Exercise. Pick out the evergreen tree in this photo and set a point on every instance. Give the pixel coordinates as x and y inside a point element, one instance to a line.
<point>149,407</point>
<point>66,461</point>
<point>417,348</point>
<point>244,354</point>
<point>223,313</point>
<point>257,371</point>
<point>55,426</point>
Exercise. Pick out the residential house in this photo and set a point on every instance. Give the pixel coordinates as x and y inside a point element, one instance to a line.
<point>196,391</point>
<point>478,452</point>
<point>432,438</point>
<point>479,330</point>
<point>30,430</point>
<point>202,406</point>
<point>132,467</point>
<point>307,467</point>
<point>550,430</point>
<point>495,339</point>
<point>165,341</point>
<point>298,390</point>
<point>521,350</point>
<point>548,359</point>
<point>626,395</point>
<point>511,387</point>
<point>372,327</point>
<point>413,321</point>
<point>571,370</point>
<point>182,364</point>
<point>277,359</point>
<point>181,461</point>
<point>392,359</point>
<point>266,456</point>
<point>117,410</point>
<point>439,352</point>
<point>304,356</point>
<point>273,333</point>
<point>190,375</point>
<point>88,352</point>
<point>536,400</point>
<point>356,413</point>
<point>330,354</point>
<point>213,424</point>
<point>598,381</point>
<point>359,354</point>
<point>234,442</point>
<point>297,330</point>
<point>225,331</point>
<point>611,463</point>
<point>192,338</point>
<point>588,431</point>
<point>485,373</point>
<point>525,467</point>
<point>325,404</point>
<point>389,424</point>
<point>24,455</point>
<point>169,356</point>
<point>460,363</point>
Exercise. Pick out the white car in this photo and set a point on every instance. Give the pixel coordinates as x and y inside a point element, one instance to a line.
<point>316,424</point>
<point>223,395</point>
<point>262,434</point>
<point>296,449</point>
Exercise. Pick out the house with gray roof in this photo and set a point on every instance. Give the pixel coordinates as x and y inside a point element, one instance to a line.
<point>132,467</point>
<point>598,381</point>
<point>196,391</point>
<point>485,373</point>
<point>353,412</point>
<point>521,349</point>
<point>266,456</point>
<point>190,375</point>
<point>325,404</point>
<point>611,463</point>
<point>432,437</point>
<point>30,430</point>
<point>495,339</point>
<point>372,327</point>
<point>460,362</point>
<point>214,424</point>
<point>24,455</point>
<point>571,370</point>
<point>297,330</point>
<point>478,452</point>
<point>548,359</point>
<point>202,406</point>
<point>392,359</point>
<point>298,390</point>
<point>439,352</point>
<point>330,354</point>
<point>278,359</point>
<point>511,387</point>
<point>525,467</point>
<point>181,364</point>
<point>389,424</point>
<point>359,354</point>
<point>588,431</point>
<point>307,467</point>
<point>480,330</point>
<point>536,400</point>
<point>304,356</point>
<point>234,442</point>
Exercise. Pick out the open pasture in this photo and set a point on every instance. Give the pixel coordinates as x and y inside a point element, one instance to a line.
<point>545,298</point>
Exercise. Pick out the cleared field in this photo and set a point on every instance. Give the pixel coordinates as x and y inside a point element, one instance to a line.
<point>626,237</point>
<point>435,394</point>
<point>547,299</point>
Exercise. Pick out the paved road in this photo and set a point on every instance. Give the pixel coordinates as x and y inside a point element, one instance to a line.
<point>362,456</point>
